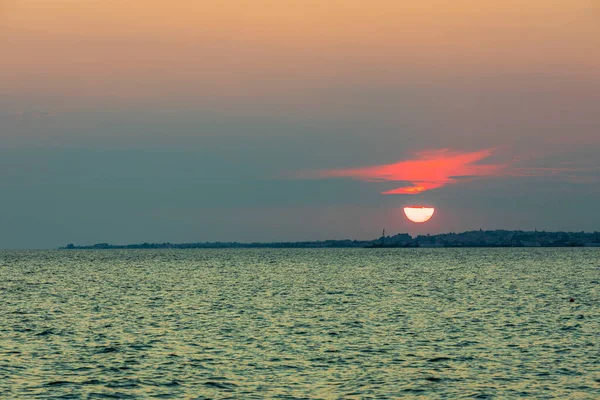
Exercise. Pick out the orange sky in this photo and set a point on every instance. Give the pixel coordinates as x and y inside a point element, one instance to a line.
<point>237,49</point>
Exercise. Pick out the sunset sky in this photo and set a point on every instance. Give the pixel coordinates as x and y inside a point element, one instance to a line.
<point>129,121</point>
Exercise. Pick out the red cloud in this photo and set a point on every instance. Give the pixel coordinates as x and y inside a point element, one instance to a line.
<point>428,170</point>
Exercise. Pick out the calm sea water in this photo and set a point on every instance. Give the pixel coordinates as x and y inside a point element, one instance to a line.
<point>326,323</point>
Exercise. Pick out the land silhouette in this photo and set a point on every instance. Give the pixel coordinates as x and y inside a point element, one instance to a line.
<point>477,238</point>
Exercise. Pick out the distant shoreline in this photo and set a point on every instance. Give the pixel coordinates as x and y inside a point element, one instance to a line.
<point>480,238</point>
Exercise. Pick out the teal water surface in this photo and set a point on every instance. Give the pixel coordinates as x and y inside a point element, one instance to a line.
<point>290,324</point>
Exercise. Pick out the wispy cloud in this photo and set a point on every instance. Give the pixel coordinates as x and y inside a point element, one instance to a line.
<point>433,169</point>
<point>427,170</point>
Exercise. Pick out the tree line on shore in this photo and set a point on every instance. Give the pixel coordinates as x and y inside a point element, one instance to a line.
<point>480,238</point>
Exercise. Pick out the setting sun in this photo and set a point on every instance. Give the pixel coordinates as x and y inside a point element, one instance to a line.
<point>419,213</point>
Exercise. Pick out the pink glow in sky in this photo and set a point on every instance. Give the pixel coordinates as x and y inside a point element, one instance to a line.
<point>427,170</point>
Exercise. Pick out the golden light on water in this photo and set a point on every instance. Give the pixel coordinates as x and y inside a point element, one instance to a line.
<point>419,214</point>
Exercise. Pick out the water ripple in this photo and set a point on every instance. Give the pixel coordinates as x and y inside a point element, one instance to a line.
<point>300,324</point>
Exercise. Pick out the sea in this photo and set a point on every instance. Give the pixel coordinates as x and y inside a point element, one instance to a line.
<point>478,323</point>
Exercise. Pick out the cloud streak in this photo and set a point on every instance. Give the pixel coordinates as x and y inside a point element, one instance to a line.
<point>433,169</point>
<point>427,170</point>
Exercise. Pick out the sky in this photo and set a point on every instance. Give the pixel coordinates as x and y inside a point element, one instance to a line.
<point>261,120</point>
